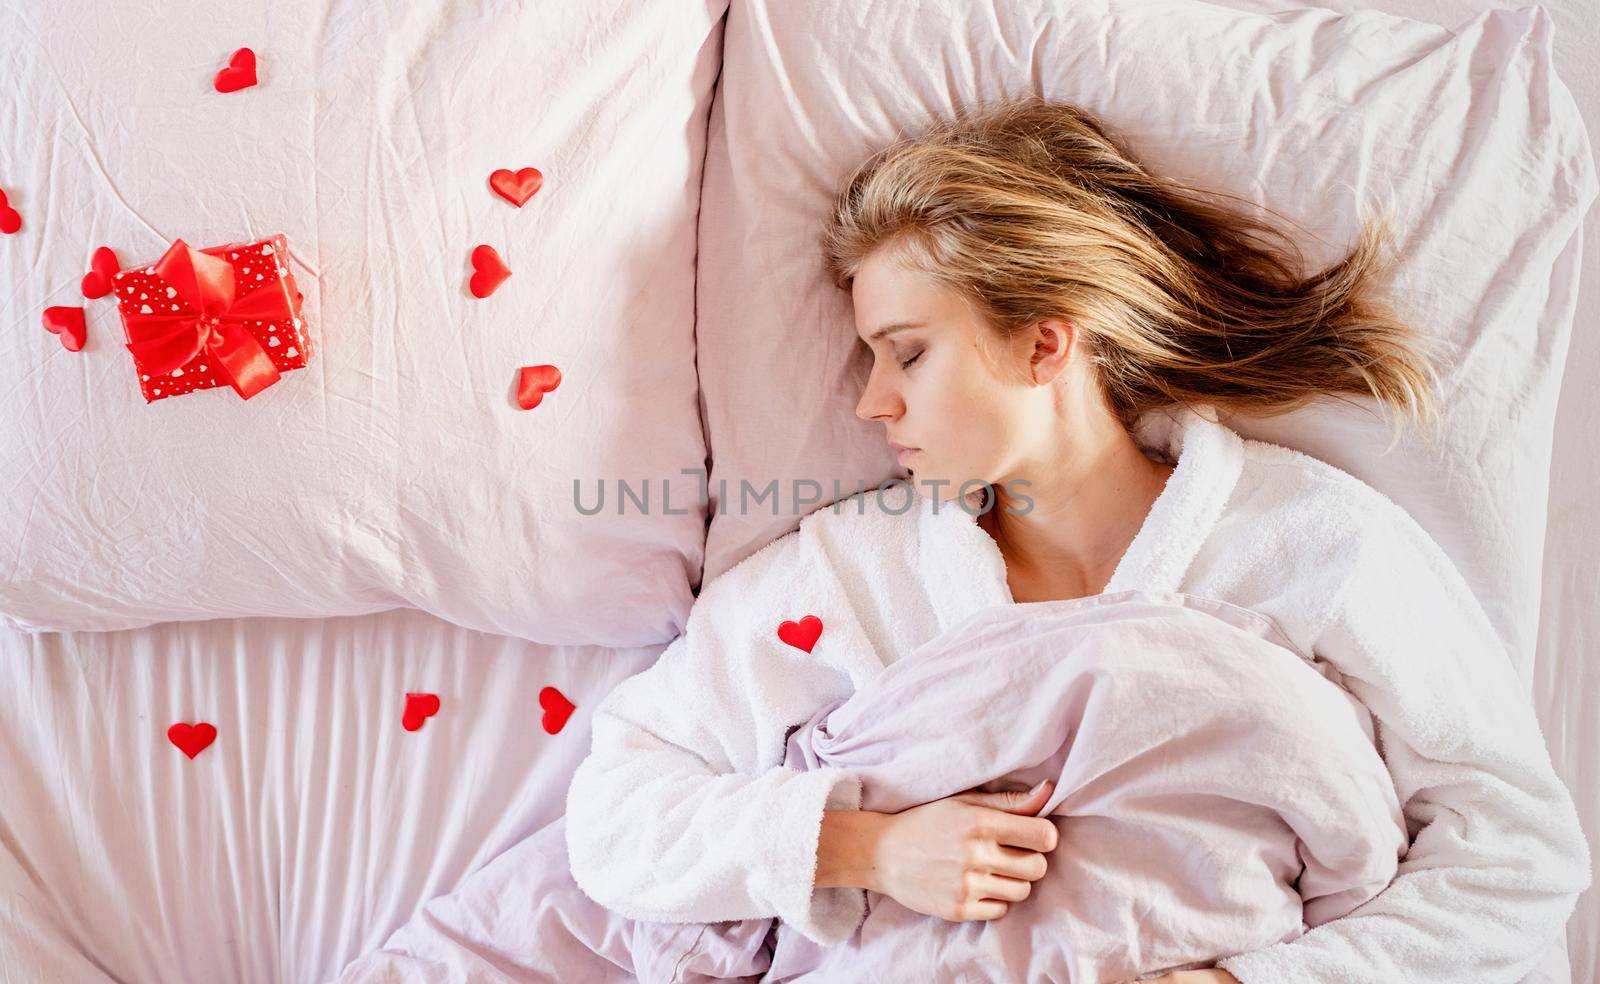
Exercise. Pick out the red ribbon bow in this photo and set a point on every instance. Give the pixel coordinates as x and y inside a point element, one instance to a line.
<point>214,324</point>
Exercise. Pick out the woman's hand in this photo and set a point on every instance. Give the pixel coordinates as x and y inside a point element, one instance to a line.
<point>965,857</point>
<point>1208,976</point>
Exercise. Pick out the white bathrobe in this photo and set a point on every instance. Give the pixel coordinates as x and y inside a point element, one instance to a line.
<point>683,811</point>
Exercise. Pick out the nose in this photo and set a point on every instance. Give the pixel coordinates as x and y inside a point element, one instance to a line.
<point>878,401</point>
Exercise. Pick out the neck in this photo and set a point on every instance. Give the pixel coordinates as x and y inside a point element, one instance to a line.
<point>1083,516</point>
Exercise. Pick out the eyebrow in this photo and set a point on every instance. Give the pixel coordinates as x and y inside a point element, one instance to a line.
<point>894,327</point>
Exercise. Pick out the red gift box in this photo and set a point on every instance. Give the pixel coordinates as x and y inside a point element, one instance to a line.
<point>224,316</point>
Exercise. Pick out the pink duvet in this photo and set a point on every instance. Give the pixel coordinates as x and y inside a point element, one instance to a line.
<point>1215,793</point>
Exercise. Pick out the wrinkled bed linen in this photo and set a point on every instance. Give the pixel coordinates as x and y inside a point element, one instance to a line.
<point>1215,793</point>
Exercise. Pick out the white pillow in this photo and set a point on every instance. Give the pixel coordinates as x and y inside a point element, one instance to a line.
<point>1312,114</point>
<point>396,469</point>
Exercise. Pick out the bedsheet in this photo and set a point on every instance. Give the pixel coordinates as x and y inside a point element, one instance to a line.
<point>311,827</point>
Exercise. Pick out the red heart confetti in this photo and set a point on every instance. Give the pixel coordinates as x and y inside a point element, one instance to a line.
<point>489,271</point>
<point>10,218</point>
<point>419,707</point>
<point>240,73</point>
<point>533,382</point>
<point>192,739</point>
<point>68,323</point>
<point>802,634</point>
<point>102,267</point>
<point>557,708</point>
<point>516,188</point>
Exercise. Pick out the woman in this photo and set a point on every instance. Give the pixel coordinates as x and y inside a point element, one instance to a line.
<point>1050,325</point>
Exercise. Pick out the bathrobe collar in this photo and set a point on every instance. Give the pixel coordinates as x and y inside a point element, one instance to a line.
<point>964,570</point>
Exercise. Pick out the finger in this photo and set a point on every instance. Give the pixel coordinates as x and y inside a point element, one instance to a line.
<point>1005,801</point>
<point>983,909</point>
<point>1029,802</point>
<point>1026,801</point>
<point>1033,833</point>
<point>1014,862</point>
<point>1003,888</point>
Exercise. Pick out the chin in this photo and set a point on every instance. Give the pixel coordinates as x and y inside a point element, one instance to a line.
<point>947,490</point>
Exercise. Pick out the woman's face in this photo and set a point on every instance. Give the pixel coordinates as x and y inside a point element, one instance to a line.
<point>971,413</point>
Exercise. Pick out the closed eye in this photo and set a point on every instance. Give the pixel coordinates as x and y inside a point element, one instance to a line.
<point>907,364</point>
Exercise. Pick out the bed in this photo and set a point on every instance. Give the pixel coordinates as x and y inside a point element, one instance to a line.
<point>397,632</point>
<point>312,825</point>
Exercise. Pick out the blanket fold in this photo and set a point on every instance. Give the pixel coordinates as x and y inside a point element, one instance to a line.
<point>1215,792</point>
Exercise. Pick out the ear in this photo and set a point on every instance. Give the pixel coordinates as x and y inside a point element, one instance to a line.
<point>1053,343</point>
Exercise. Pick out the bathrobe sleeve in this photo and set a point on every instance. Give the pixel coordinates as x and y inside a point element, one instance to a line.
<point>679,814</point>
<point>1497,859</point>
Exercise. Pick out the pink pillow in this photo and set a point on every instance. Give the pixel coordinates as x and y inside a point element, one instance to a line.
<point>396,469</point>
<point>1469,134</point>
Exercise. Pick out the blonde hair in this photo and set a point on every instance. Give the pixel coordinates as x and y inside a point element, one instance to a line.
<point>1031,210</point>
